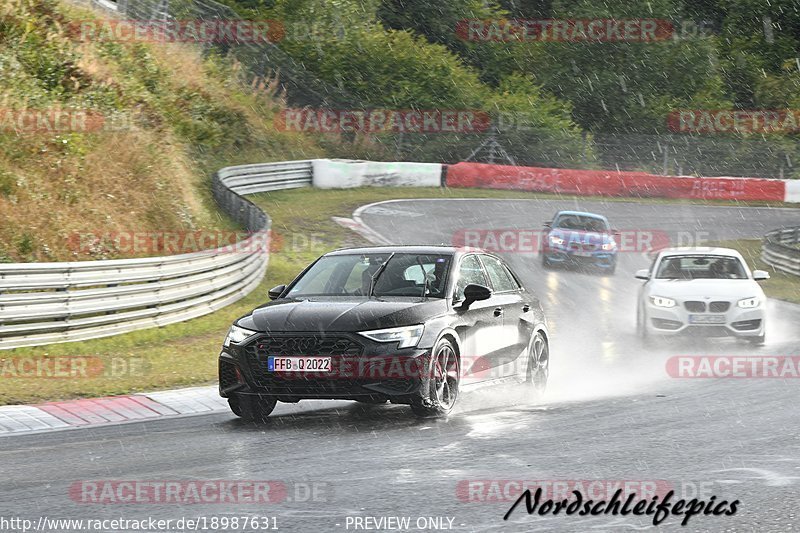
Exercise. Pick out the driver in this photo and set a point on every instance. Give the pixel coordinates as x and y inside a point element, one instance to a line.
<point>672,270</point>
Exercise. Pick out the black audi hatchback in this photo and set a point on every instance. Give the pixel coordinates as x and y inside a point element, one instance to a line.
<point>414,325</point>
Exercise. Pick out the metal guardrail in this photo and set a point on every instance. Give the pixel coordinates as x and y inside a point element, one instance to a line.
<point>781,249</point>
<point>44,303</point>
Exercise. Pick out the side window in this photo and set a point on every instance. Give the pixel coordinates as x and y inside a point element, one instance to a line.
<point>470,271</point>
<point>498,274</point>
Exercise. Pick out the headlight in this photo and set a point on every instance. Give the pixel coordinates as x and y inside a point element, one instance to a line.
<point>237,335</point>
<point>406,337</point>
<point>749,303</point>
<point>609,245</point>
<point>555,239</point>
<point>660,301</point>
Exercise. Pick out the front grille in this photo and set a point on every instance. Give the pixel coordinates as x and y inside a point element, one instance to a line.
<point>583,247</point>
<point>695,306</point>
<point>305,345</point>
<point>719,307</point>
<point>258,352</point>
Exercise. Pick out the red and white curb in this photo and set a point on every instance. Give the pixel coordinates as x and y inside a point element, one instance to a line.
<point>90,412</point>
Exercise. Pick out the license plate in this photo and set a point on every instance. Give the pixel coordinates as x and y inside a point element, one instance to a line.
<point>299,364</point>
<point>706,319</point>
<point>582,254</point>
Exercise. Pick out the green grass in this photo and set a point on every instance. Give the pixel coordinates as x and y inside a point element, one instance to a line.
<point>780,285</point>
<point>185,354</point>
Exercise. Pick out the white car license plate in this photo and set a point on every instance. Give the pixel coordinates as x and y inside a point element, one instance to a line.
<point>706,319</point>
<point>582,254</point>
<point>299,364</point>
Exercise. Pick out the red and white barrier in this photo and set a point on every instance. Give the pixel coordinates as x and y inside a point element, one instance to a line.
<point>792,191</point>
<point>619,184</point>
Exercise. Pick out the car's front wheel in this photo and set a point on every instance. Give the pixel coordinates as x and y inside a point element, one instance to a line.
<point>444,378</point>
<point>250,407</point>
<point>538,364</point>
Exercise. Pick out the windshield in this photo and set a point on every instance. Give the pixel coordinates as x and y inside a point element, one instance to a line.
<point>701,267</point>
<point>403,274</point>
<point>581,223</point>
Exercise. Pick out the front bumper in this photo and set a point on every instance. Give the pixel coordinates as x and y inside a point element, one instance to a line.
<point>360,368</point>
<point>735,322</point>
<point>598,257</point>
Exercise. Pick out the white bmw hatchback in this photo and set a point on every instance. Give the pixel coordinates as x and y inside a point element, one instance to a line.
<point>709,291</point>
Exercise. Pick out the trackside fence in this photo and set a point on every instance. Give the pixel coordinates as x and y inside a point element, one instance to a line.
<point>43,303</point>
<point>781,249</point>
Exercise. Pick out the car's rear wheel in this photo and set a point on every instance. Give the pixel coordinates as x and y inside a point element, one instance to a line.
<point>538,364</point>
<point>250,407</point>
<point>443,382</point>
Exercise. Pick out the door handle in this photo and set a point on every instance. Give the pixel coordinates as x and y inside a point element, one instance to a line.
<point>526,308</point>
<point>498,311</point>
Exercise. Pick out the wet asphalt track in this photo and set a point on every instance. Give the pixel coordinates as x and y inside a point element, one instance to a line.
<point>611,413</point>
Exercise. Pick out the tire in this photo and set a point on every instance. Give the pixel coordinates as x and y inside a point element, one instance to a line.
<point>610,270</point>
<point>538,369</point>
<point>443,382</point>
<point>236,408</point>
<point>546,262</point>
<point>254,408</point>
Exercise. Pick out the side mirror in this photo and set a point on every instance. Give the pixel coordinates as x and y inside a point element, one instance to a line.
<point>642,274</point>
<point>548,224</point>
<point>275,292</point>
<point>474,293</point>
<point>760,275</point>
<point>615,231</point>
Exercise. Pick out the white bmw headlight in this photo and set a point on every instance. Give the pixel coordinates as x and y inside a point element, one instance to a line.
<point>406,336</point>
<point>660,301</point>
<point>749,303</point>
<point>237,335</point>
<point>610,245</point>
<point>555,239</point>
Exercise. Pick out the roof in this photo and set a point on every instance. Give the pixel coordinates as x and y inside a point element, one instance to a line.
<point>582,214</point>
<point>400,248</point>
<point>700,250</point>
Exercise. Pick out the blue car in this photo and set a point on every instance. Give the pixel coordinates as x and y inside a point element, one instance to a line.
<point>579,238</point>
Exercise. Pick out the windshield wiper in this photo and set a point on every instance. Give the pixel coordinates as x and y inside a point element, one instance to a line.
<point>377,273</point>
